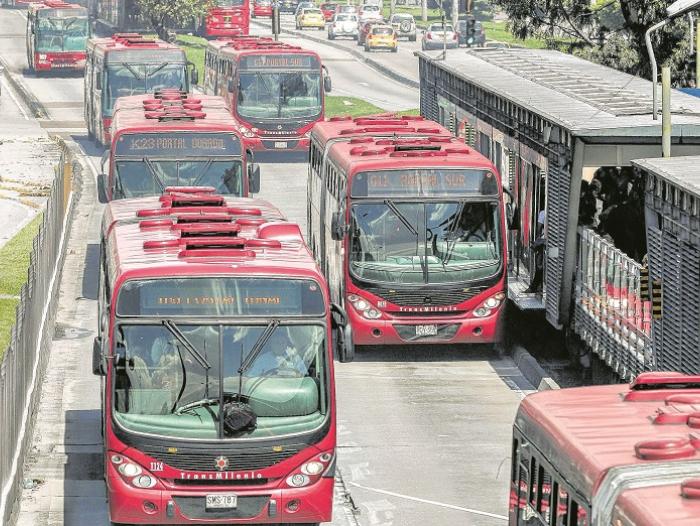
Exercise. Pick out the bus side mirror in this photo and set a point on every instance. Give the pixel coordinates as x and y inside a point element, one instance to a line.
<point>98,81</point>
<point>510,216</point>
<point>102,188</point>
<point>194,76</point>
<point>253,178</point>
<point>327,84</point>
<point>231,86</point>
<point>97,367</point>
<point>342,332</point>
<point>337,227</point>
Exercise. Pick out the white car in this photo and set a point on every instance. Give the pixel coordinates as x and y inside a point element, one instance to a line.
<point>370,12</point>
<point>343,25</point>
<point>438,36</point>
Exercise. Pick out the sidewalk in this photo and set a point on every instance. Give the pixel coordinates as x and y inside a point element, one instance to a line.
<point>28,157</point>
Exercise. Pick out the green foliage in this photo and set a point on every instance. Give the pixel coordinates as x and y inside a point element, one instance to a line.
<point>607,31</point>
<point>354,107</point>
<point>161,13</point>
<point>482,9</point>
<point>14,260</point>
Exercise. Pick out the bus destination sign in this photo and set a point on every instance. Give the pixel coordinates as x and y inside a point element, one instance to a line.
<point>178,144</point>
<point>220,297</point>
<point>424,182</point>
<point>283,62</point>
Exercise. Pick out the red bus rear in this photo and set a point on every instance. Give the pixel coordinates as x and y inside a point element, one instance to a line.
<point>409,227</point>
<point>216,348</point>
<point>56,37</point>
<point>614,455</point>
<point>262,8</point>
<point>227,18</point>
<point>275,90</point>
<point>170,139</point>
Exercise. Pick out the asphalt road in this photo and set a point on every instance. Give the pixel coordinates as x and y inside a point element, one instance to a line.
<point>424,432</point>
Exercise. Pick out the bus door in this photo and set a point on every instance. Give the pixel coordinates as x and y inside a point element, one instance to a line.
<point>530,185</point>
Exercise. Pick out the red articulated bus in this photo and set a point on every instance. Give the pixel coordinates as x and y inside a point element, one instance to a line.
<point>170,139</point>
<point>227,18</point>
<point>275,90</point>
<point>614,455</point>
<point>128,64</point>
<point>409,230</point>
<point>57,35</point>
<point>216,342</point>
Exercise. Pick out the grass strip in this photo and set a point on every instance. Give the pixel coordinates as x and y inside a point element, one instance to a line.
<point>14,262</point>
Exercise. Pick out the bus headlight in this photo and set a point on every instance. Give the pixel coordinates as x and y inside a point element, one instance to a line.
<point>489,305</point>
<point>143,481</point>
<point>298,480</point>
<point>129,469</point>
<point>364,307</point>
<point>312,468</point>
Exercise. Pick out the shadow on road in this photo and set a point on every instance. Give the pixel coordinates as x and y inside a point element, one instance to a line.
<point>425,353</point>
<point>92,264</point>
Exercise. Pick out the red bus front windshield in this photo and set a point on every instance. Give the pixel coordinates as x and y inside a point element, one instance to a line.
<point>61,33</point>
<point>280,95</point>
<point>175,378</point>
<point>439,238</point>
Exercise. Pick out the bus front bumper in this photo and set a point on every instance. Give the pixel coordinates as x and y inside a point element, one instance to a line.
<point>259,506</point>
<point>224,31</point>
<point>282,144</point>
<point>420,330</point>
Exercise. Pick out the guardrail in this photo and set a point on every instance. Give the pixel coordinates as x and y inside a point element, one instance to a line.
<point>24,362</point>
<point>610,314</point>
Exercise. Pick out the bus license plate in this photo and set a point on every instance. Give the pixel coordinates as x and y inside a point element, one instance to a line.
<point>426,330</point>
<point>280,144</point>
<point>221,501</point>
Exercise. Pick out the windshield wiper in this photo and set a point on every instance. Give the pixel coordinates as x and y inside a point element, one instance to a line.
<point>152,169</point>
<point>133,72</point>
<point>450,248</point>
<point>164,64</point>
<point>254,352</point>
<point>390,204</point>
<point>175,331</point>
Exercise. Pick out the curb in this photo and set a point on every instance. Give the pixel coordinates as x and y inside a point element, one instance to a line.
<point>37,108</point>
<point>387,72</point>
<point>533,371</point>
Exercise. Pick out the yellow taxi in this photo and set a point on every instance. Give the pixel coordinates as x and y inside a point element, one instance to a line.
<point>382,36</point>
<point>311,17</point>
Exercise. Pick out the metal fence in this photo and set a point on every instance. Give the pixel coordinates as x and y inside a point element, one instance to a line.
<point>610,314</point>
<point>25,360</point>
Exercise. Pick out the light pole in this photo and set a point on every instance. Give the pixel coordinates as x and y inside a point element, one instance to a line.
<point>676,9</point>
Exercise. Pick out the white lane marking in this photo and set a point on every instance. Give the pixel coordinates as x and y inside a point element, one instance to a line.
<point>434,503</point>
<point>21,14</point>
<point>9,89</point>
<point>363,84</point>
<point>23,428</point>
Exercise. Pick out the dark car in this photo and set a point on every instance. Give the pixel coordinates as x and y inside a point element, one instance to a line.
<point>288,6</point>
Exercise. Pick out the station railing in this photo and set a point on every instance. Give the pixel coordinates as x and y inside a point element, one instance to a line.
<point>611,316</point>
<point>24,361</point>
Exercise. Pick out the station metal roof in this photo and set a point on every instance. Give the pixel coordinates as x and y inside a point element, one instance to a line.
<point>683,172</point>
<point>581,96</point>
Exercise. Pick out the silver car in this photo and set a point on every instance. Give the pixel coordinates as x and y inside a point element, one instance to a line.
<point>438,36</point>
<point>343,25</point>
<point>370,12</point>
<point>405,26</point>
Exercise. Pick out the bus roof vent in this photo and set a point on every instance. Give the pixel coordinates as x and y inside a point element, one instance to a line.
<point>690,489</point>
<point>221,252</point>
<point>178,200</point>
<point>361,140</point>
<point>682,399</point>
<point>207,229</point>
<point>380,122</point>
<point>664,449</point>
<point>202,218</point>
<point>281,231</point>
<point>656,386</point>
<point>190,190</point>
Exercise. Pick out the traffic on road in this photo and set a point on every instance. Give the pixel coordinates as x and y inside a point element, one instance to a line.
<point>320,267</point>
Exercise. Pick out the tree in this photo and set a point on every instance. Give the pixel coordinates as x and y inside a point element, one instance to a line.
<point>161,13</point>
<point>607,31</point>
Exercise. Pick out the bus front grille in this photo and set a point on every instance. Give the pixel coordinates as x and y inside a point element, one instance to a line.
<point>425,298</point>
